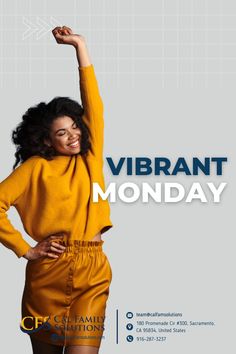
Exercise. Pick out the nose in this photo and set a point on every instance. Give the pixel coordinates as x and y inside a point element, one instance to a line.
<point>73,134</point>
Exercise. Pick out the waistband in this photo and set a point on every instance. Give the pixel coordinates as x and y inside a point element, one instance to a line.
<point>82,246</point>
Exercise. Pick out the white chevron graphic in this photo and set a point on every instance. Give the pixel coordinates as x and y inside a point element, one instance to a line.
<point>41,27</point>
<point>31,28</point>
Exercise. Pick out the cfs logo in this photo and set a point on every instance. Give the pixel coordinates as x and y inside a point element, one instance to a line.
<point>32,324</point>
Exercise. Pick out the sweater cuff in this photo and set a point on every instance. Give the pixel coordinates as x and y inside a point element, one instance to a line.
<point>86,71</point>
<point>22,248</point>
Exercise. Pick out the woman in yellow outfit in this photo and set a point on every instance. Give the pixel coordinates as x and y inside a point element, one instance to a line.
<point>60,147</point>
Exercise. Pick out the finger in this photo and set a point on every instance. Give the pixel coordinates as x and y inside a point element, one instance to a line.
<point>55,249</point>
<point>57,245</point>
<point>59,240</point>
<point>58,34</point>
<point>56,236</point>
<point>68,29</point>
<point>63,31</point>
<point>56,29</point>
<point>52,255</point>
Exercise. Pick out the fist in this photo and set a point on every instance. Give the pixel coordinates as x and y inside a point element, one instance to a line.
<point>65,35</point>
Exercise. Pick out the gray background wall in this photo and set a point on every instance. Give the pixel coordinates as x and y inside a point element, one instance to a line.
<point>167,74</point>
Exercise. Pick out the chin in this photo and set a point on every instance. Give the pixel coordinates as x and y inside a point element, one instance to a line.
<point>66,151</point>
<point>73,152</point>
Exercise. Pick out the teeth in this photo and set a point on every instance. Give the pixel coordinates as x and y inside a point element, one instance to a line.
<point>74,144</point>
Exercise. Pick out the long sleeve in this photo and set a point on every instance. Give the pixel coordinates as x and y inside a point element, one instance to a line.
<point>10,190</point>
<point>93,109</point>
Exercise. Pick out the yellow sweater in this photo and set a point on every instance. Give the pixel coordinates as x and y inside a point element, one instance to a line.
<point>56,196</point>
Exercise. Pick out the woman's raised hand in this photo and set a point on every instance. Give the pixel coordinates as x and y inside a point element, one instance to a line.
<point>47,247</point>
<point>65,35</point>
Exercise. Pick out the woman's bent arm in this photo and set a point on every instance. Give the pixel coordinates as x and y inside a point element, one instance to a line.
<point>11,190</point>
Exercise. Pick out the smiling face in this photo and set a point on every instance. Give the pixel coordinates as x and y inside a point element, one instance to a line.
<point>65,136</point>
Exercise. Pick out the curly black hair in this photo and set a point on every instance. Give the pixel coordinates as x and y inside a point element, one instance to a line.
<point>35,126</point>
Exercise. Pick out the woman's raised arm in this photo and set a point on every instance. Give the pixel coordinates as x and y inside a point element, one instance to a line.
<point>90,96</point>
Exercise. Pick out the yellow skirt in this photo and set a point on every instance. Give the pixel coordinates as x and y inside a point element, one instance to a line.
<point>64,298</point>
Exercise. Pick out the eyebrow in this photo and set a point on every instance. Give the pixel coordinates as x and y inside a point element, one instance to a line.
<point>62,129</point>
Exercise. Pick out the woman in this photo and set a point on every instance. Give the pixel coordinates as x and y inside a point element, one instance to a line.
<point>60,145</point>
